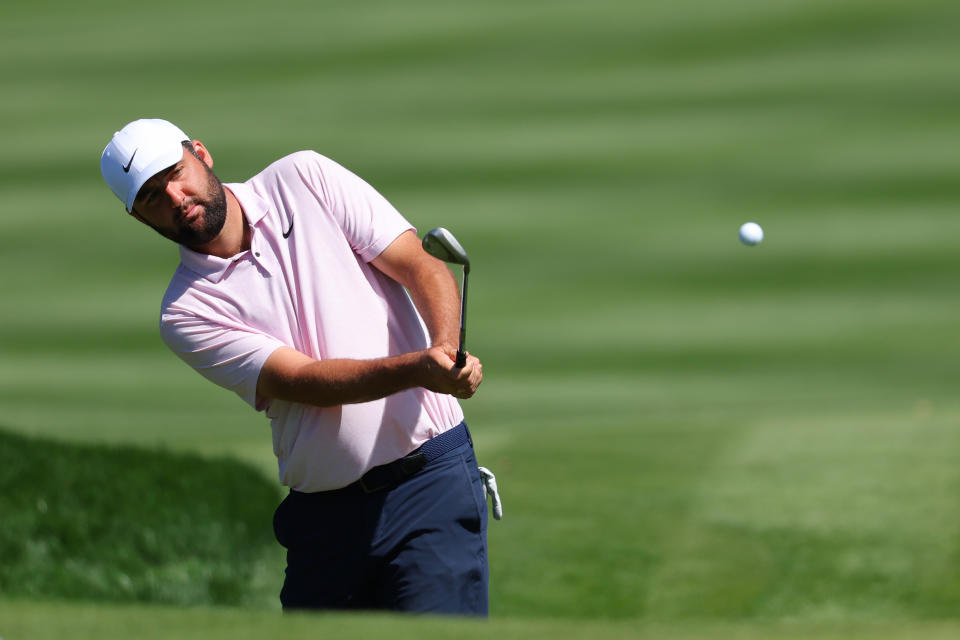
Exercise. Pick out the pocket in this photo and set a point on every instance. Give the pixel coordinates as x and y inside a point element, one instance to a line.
<point>475,484</point>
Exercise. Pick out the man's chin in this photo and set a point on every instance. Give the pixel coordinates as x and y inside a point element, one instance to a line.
<point>192,238</point>
<point>198,233</point>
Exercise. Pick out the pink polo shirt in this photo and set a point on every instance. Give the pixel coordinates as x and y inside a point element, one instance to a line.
<point>315,291</point>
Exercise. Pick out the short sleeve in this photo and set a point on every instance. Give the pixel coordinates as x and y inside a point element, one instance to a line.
<point>368,220</point>
<point>228,356</point>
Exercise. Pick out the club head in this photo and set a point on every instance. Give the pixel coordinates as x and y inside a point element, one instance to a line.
<point>441,244</point>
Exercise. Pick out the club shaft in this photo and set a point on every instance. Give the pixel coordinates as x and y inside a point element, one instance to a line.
<point>461,352</point>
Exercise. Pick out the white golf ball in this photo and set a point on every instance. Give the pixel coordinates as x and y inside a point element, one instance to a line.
<point>751,233</point>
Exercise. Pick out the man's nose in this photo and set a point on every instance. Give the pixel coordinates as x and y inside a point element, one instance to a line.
<point>175,193</point>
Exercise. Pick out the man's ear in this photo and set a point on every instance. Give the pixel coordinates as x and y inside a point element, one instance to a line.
<point>203,153</point>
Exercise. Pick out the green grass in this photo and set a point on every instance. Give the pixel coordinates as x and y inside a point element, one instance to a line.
<point>55,620</point>
<point>94,522</point>
<point>693,438</point>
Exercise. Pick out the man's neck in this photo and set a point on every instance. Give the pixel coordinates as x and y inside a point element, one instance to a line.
<point>234,238</point>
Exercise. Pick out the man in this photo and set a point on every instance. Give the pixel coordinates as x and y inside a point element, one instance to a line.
<point>290,292</point>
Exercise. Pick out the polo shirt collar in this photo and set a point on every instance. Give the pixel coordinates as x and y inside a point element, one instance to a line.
<point>213,268</point>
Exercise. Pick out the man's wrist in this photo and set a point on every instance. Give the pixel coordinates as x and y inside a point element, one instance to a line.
<point>448,347</point>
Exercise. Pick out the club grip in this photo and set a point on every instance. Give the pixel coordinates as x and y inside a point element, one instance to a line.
<point>461,359</point>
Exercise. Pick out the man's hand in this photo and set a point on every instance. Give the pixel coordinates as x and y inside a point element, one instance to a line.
<point>441,374</point>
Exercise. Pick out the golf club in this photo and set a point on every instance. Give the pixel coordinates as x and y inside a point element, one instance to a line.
<point>441,244</point>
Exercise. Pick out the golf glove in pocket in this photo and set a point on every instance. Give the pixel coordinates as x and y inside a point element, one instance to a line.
<point>490,489</point>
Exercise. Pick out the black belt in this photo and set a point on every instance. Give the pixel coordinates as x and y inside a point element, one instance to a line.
<point>388,476</point>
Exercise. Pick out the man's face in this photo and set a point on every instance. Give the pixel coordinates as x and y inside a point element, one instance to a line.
<point>185,203</point>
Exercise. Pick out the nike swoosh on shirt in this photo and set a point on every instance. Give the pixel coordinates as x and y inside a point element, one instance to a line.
<point>126,169</point>
<point>286,234</point>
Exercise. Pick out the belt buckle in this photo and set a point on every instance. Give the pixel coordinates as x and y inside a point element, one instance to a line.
<point>411,464</point>
<point>374,488</point>
<point>393,473</point>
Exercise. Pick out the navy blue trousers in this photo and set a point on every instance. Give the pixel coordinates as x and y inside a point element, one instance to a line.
<point>420,546</point>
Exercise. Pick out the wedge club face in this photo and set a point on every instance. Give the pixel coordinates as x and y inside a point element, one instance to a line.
<point>441,244</point>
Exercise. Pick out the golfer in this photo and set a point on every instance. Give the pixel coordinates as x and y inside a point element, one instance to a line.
<point>291,292</point>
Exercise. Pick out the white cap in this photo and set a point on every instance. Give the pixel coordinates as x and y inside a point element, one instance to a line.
<point>137,152</point>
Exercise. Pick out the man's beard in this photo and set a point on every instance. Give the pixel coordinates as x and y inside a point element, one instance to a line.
<point>214,203</point>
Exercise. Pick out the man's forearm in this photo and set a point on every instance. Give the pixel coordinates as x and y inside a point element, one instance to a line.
<point>294,377</point>
<point>437,298</point>
<point>328,383</point>
<point>432,287</point>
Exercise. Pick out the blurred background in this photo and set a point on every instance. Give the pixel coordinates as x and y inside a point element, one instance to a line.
<point>685,430</point>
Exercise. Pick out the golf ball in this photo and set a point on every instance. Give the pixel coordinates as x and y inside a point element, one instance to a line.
<point>751,233</point>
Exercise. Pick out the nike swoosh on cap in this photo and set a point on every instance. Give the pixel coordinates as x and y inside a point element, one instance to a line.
<point>126,169</point>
